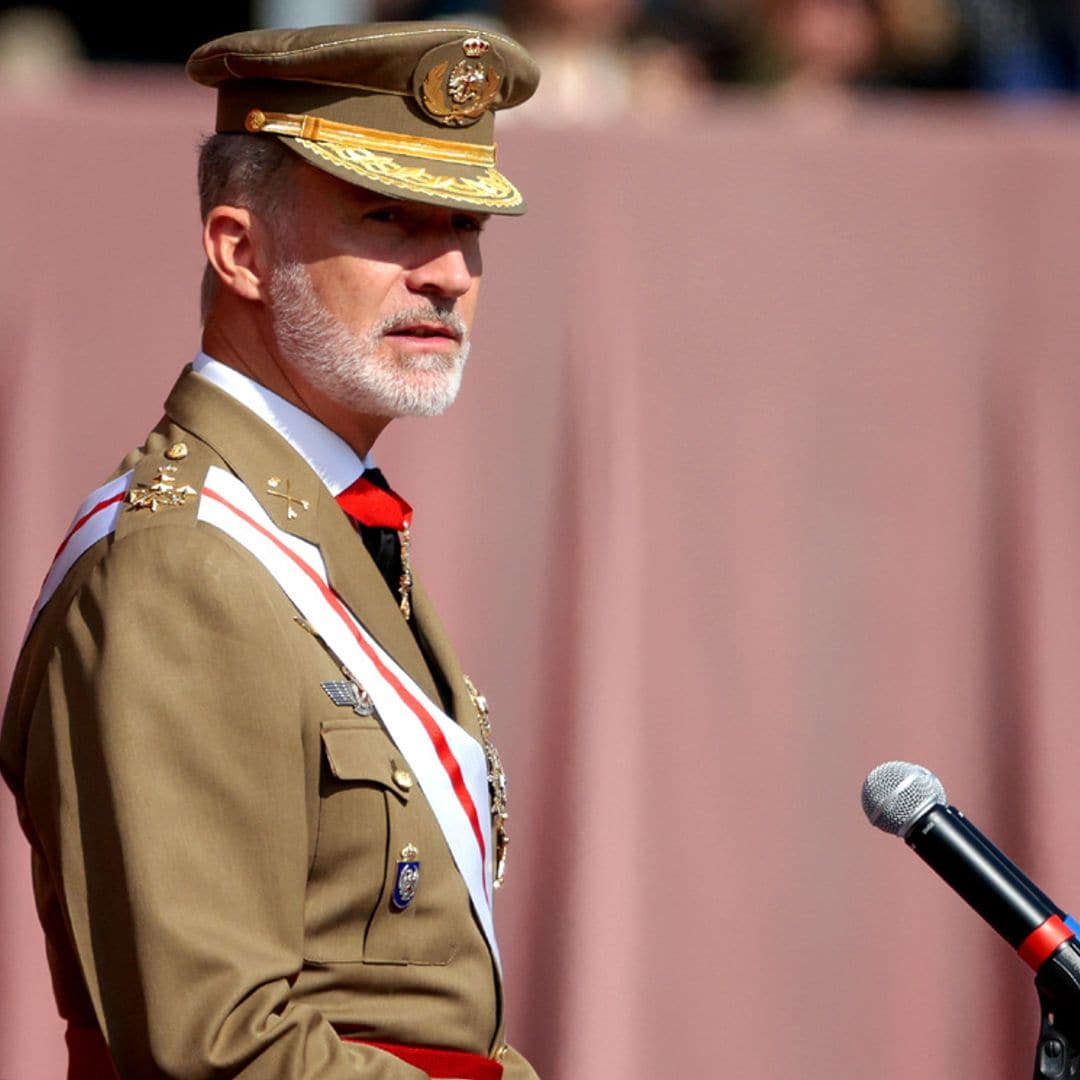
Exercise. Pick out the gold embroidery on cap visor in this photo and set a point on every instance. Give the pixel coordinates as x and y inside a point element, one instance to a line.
<point>366,153</point>
<point>488,191</point>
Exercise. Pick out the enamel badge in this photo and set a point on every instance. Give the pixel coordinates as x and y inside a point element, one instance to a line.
<point>408,877</point>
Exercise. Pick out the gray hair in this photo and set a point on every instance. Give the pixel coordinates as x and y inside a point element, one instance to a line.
<point>252,171</point>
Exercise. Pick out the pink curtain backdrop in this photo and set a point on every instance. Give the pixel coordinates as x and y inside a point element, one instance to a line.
<point>767,469</point>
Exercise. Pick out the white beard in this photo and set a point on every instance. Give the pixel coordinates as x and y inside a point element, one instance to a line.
<point>357,369</point>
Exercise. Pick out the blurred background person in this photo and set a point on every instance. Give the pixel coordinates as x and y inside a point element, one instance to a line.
<point>822,49</point>
<point>39,49</point>
<point>608,59</point>
<point>1023,48</point>
<point>825,51</point>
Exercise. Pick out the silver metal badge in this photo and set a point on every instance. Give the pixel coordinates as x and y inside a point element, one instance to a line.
<point>344,692</point>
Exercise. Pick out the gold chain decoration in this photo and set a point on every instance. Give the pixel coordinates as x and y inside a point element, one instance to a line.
<point>405,581</point>
<point>496,780</point>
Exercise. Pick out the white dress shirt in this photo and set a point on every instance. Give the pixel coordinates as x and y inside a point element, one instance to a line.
<point>329,455</point>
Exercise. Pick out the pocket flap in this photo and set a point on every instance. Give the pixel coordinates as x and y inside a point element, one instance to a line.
<point>365,753</point>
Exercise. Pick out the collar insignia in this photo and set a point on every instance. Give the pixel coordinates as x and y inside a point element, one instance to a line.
<point>291,501</point>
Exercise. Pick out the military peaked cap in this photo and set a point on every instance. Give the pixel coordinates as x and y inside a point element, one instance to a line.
<point>404,109</point>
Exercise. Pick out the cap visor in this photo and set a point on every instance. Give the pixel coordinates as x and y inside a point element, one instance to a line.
<point>459,187</point>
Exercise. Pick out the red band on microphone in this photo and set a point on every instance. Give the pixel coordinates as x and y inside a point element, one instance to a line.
<point>1041,943</point>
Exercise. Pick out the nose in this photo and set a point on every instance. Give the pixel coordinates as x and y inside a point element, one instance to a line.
<point>445,272</point>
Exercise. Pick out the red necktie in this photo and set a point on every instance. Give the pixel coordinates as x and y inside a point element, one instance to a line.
<point>371,504</point>
<point>384,518</point>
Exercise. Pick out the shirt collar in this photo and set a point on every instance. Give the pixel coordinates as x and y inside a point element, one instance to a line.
<point>332,459</point>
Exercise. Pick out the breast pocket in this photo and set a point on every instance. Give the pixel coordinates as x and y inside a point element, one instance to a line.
<point>365,902</point>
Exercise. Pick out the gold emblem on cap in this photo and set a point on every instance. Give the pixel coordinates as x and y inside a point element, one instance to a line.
<point>461,94</point>
<point>177,452</point>
<point>255,120</point>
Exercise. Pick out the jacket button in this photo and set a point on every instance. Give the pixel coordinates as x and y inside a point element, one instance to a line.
<point>403,778</point>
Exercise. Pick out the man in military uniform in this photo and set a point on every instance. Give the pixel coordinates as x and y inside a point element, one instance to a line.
<point>265,812</point>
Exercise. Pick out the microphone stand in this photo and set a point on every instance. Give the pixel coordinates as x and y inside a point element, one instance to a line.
<point>1057,1053</point>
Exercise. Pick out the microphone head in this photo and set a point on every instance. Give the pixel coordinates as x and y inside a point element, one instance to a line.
<point>896,794</point>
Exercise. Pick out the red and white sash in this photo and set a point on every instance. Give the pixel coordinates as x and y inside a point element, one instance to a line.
<point>449,764</point>
<point>93,520</point>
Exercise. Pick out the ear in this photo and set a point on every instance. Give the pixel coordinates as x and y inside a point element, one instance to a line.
<point>236,248</point>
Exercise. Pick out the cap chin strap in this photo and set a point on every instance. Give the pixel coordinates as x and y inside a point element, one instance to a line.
<point>318,129</point>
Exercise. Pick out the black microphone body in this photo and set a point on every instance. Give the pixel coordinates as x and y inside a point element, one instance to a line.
<point>981,874</point>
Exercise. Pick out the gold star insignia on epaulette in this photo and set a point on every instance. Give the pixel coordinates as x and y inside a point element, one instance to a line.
<point>162,491</point>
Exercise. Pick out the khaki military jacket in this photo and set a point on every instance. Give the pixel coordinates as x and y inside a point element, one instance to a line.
<point>213,878</point>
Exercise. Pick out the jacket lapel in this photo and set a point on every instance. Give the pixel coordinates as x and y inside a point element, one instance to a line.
<point>442,654</point>
<point>282,480</point>
<point>356,579</point>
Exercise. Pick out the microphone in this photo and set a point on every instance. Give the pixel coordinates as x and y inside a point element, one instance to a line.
<point>909,801</point>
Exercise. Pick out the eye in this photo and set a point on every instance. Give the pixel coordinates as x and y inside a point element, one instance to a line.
<point>470,222</point>
<point>384,213</point>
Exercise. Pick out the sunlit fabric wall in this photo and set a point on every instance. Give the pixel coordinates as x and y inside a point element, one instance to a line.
<point>767,468</point>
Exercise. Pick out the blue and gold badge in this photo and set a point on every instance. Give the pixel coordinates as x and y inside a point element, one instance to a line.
<point>407,880</point>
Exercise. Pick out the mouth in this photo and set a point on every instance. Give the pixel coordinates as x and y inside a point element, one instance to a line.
<point>426,331</point>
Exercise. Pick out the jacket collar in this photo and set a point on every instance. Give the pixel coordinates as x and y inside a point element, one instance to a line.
<point>281,478</point>
<point>328,454</point>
